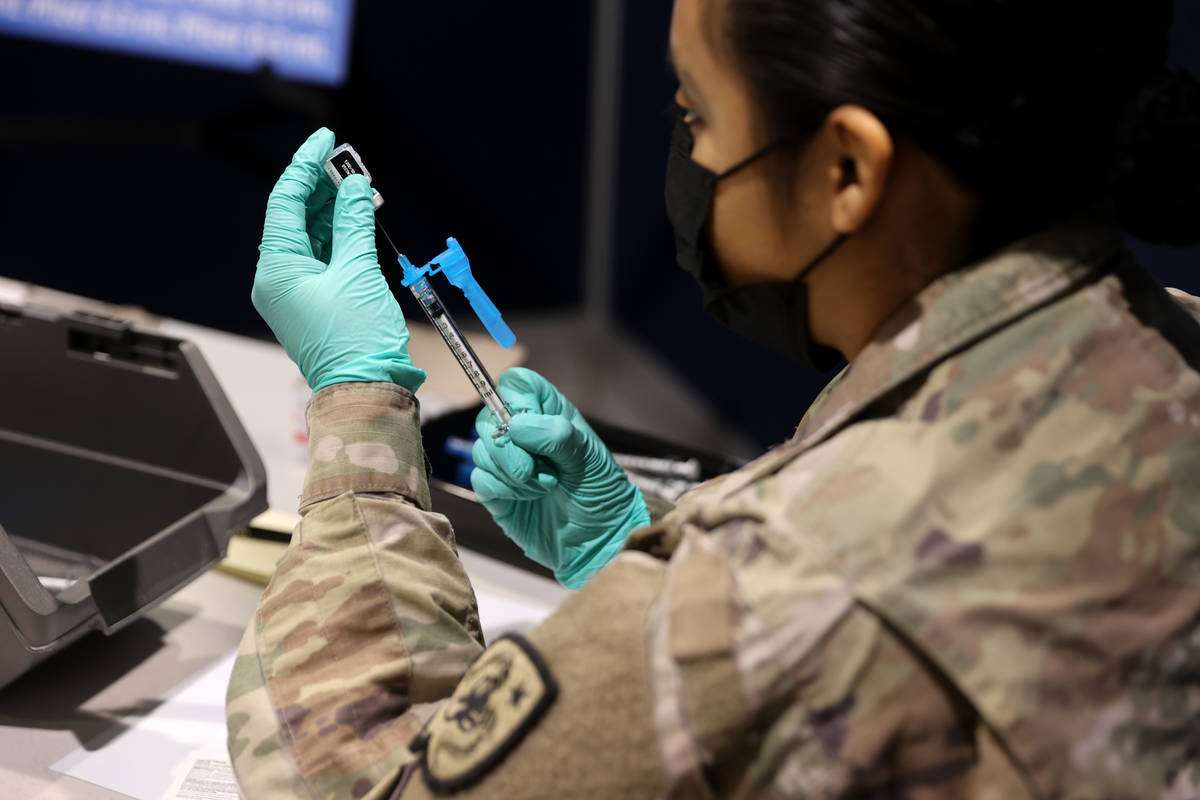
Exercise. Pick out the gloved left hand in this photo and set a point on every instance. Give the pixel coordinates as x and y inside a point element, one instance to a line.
<point>551,485</point>
<point>318,283</point>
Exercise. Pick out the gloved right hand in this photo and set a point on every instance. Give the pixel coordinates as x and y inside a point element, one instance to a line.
<point>318,283</point>
<point>551,484</point>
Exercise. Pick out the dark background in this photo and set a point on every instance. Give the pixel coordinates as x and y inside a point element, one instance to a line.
<point>144,182</point>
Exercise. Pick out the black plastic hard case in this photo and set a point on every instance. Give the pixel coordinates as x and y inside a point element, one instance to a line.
<point>123,473</point>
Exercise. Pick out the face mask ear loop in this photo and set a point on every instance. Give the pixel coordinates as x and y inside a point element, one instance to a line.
<point>775,145</point>
<point>825,254</point>
<point>741,165</point>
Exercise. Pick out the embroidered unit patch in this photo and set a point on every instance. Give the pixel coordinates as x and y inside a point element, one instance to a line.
<point>498,701</point>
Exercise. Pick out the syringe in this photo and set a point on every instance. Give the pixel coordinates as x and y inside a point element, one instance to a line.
<point>453,263</point>
<point>441,319</point>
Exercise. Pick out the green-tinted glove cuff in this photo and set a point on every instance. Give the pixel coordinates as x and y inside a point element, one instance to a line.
<point>376,370</point>
<point>586,564</point>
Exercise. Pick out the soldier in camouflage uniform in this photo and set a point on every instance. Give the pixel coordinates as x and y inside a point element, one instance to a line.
<point>974,571</point>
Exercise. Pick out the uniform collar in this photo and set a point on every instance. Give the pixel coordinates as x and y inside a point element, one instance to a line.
<point>957,310</point>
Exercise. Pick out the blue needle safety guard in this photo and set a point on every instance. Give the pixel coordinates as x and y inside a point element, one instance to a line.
<point>454,264</point>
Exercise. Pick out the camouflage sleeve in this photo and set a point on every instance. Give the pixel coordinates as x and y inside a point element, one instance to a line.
<point>368,622</point>
<point>725,671</point>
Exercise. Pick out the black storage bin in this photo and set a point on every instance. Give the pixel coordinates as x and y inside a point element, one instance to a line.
<point>123,473</point>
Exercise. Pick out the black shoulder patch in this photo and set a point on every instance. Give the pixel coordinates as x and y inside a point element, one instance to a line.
<point>501,698</point>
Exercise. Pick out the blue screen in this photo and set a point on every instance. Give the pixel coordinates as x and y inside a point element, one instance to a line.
<point>305,40</point>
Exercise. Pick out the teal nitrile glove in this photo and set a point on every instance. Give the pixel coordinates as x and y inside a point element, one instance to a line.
<point>551,484</point>
<point>319,285</point>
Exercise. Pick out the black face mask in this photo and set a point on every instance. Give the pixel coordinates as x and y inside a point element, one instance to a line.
<point>775,315</point>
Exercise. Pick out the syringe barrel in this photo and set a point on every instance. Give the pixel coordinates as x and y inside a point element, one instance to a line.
<point>426,296</point>
<point>502,414</point>
<point>467,359</point>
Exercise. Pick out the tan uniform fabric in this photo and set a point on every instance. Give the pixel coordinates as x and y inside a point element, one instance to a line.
<point>974,572</point>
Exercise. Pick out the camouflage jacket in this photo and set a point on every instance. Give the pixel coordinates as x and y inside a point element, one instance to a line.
<point>974,572</point>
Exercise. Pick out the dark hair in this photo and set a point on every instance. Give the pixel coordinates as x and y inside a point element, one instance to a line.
<point>1043,108</point>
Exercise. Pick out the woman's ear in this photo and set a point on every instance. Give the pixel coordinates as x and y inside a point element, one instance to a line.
<point>863,152</point>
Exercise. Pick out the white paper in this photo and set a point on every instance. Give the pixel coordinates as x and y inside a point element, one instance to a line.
<point>145,761</point>
<point>207,776</point>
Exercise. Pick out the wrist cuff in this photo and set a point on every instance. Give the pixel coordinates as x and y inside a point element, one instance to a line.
<point>364,437</point>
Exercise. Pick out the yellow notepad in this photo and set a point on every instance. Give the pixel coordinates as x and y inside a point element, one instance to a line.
<point>253,558</point>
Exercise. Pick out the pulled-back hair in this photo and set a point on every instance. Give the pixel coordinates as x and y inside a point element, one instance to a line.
<point>1043,108</point>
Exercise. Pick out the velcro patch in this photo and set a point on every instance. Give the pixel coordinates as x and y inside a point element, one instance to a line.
<point>500,699</point>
